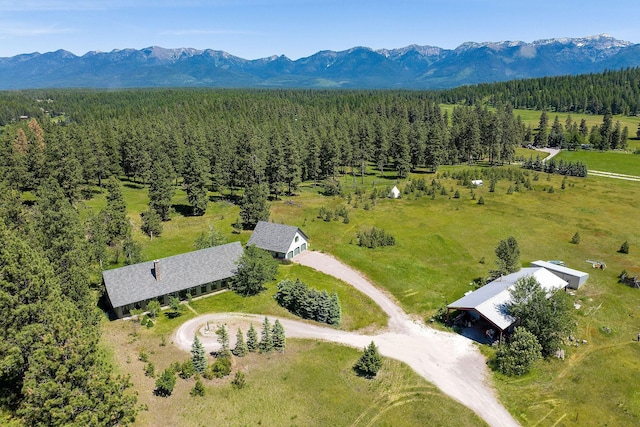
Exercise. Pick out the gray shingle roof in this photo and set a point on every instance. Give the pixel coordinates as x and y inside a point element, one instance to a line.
<point>274,237</point>
<point>138,282</point>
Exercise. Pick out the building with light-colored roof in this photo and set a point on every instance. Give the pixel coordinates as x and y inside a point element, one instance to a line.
<point>490,301</point>
<point>574,277</point>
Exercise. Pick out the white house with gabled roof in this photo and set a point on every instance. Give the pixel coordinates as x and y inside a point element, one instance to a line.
<point>283,241</point>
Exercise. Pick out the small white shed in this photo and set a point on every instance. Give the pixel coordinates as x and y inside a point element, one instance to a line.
<point>575,278</point>
<point>477,182</point>
<point>394,193</point>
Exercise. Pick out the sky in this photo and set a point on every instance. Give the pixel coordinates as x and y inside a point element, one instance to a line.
<point>254,29</point>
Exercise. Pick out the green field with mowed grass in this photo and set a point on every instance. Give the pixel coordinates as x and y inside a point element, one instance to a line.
<point>442,244</point>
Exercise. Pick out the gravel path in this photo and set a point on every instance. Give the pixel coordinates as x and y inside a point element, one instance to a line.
<point>552,153</point>
<point>449,361</point>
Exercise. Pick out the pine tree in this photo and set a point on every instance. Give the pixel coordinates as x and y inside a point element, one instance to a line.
<point>576,238</point>
<point>370,362</point>
<point>151,223</point>
<point>254,205</point>
<point>118,226</point>
<point>213,238</point>
<point>241,349</point>
<point>252,339</point>
<point>195,180</point>
<point>278,337</point>
<point>165,383</point>
<point>223,340</point>
<point>266,337</point>
<point>624,249</point>
<point>335,311</point>
<point>198,388</point>
<point>198,355</point>
<point>508,254</point>
<point>160,186</point>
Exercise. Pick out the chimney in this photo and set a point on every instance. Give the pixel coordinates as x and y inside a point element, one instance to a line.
<point>156,269</point>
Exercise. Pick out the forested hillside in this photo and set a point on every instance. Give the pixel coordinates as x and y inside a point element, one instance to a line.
<point>59,147</point>
<point>246,137</point>
<point>616,92</point>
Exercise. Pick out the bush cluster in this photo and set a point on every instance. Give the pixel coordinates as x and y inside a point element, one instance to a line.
<point>375,237</point>
<point>327,214</point>
<point>309,303</point>
<point>560,167</point>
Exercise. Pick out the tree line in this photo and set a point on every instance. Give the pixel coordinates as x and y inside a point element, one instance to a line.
<point>613,91</point>
<point>231,140</point>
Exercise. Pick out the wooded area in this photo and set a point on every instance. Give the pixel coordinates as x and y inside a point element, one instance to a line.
<point>616,92</point>
<point>69,144</point>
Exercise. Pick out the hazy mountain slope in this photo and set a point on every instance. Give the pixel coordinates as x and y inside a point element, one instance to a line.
<point>411,67</point>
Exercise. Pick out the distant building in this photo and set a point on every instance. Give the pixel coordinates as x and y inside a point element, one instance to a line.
<point>394,193</point>
<point>195,273</point>
<point>283,241</point>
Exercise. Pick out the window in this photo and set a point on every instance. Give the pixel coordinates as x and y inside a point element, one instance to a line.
<point>297,237</point>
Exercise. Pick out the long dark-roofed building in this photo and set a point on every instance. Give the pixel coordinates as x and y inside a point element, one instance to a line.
<point>283,241</point>
<point>195,273</point>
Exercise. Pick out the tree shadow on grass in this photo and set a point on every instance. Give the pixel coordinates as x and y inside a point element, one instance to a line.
<point>184,210</point>
<point>133,185</point>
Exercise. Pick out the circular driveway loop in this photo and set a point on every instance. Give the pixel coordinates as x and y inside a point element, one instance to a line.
<point>449,361</point>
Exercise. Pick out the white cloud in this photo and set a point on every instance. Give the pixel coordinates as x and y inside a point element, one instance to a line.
<point>192,32</point>
<point>30,31</point>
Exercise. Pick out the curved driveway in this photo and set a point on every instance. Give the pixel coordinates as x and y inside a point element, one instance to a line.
<point>449,361</point>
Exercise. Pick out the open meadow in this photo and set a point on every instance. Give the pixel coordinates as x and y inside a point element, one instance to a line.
<point>442,244</point>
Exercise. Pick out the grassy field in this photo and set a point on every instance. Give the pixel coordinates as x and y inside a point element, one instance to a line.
<point>532,117</point>
<point>612,161</point>
<point>311,384</point>
<point>442,244</point>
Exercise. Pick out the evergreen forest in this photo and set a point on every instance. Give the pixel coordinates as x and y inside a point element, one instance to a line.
<point>60,147</point>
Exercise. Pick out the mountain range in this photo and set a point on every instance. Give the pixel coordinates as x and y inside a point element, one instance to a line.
<point>411,67</point>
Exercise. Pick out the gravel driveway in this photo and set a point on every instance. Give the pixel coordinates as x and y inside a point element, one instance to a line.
<point>449,361</point>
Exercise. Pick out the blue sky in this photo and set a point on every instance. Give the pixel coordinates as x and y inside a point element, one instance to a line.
<point>297,28</point>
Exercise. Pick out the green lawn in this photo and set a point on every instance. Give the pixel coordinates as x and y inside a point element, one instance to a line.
<point>442,244</point>
<point>611,161</point>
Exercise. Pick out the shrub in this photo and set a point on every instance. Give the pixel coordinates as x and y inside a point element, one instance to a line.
<point>239,380</point>
<point>165,383</point>
<point>624,249</point>
<point>198,389</point>
<point>332,187</point>
<point>576,238</point>
<point>518,356</point>
<point>150,369</point>
<point>370,362</point>
<point>187,370</point>
<point>221,368</point>
<point>374,238</point>
<point>481,200</point>
<point>309,303</point>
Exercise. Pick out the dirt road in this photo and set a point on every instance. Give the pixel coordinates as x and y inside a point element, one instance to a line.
<point>449,361</point>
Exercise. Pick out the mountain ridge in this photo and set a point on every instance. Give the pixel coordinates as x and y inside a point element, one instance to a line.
<point>410,67</point>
